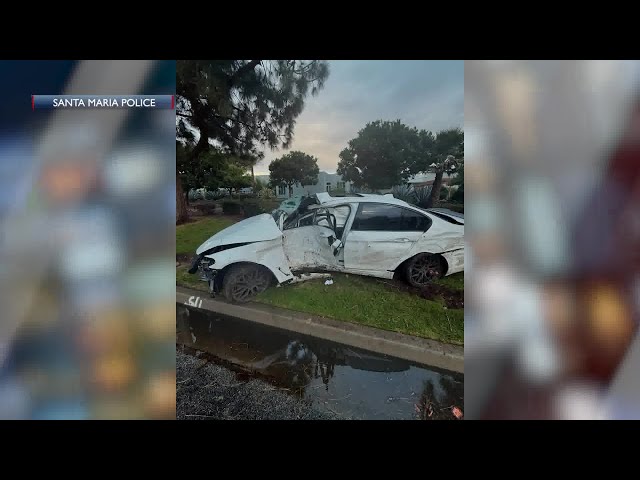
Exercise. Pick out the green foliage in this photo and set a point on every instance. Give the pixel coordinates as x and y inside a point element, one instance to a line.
<point>266,193</point>
<point>231,207</point>
<point>387,153</point>
<point>444,191</point>
<point>459,178</point>
<point>442,152</point>
<point>227,110</point>
<point>294,168</point>
<point>368,301</point>
<point>404,192</point>
<point>258,186</point>
<point>422,195</point>
<point>257,206</point>
<point>458,195</point>
<point>215,194</point>
<point>380,156</point>
<point>208,172</point>
<point>242,104</point>
<point>194,195</point>
<point>235,176</point>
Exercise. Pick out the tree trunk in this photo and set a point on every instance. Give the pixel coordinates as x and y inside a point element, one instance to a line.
<point>434,198</point>
<point>182,214</point>
<point>290,190</point>
<point>253,175</point>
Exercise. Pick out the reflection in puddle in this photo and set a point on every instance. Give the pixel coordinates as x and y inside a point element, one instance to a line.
<point>341,379</point>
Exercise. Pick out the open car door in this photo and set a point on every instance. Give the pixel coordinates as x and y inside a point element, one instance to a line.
<point>311,244</point>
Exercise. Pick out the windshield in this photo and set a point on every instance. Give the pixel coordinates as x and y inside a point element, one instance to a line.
<point>334,218</point>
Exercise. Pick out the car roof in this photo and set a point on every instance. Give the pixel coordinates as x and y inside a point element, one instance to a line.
<point>328,201</point>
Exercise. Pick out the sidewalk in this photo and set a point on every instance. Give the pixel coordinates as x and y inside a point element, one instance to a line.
<point>406,347</point>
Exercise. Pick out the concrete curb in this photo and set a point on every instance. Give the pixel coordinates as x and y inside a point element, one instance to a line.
<point>406,347</point>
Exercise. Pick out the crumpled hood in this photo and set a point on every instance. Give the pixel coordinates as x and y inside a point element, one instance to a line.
<point>254,229</point>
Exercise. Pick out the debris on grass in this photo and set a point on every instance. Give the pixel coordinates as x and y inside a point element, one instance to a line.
<point>304,277</point>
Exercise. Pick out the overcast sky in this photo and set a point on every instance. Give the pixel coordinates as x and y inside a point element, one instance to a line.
<point>426,94</point>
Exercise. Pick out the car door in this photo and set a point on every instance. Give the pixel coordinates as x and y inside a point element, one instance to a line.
<point>308,244</point>
<point>381,235</point>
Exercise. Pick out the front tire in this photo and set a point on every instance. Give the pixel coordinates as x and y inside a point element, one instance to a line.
<point>243,282</point>
<point>423,269</point>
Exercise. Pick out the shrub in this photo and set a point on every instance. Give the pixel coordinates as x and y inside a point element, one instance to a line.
<point>195,195</point>
<point>254,207</point>
<point>230,207</point>
<point>422,195</point>
<point>458,196</point>
<point>444,191</point>
<point>251,209</point>
<point>266,193</point>
<point>404,192</point>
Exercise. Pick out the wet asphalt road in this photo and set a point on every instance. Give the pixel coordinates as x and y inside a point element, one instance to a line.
<point>206,390</point>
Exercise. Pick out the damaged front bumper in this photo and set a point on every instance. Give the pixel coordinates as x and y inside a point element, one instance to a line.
<point>202,266</point>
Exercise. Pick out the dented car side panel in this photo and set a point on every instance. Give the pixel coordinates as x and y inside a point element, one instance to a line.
<point>308,248</point>
<point>455,261</point>
<point>378,251</point>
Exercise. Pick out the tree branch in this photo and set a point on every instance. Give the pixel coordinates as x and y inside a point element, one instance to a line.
<point>242,70</point>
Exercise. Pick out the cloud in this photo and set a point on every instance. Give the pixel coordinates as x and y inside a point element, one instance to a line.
<point>422,93</point>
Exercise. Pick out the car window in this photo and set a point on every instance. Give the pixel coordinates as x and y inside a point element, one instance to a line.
<point>342,215</point>
<point>322,218</point>
<point>382,217</point>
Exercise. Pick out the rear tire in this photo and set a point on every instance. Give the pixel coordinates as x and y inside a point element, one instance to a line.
<point>243,282</point>
<point>423,269</point>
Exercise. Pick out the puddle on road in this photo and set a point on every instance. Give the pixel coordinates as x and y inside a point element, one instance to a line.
<point>348,381</point>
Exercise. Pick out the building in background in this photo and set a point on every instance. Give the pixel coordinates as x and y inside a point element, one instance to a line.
<point>327,182</point>
<point>333,183</point>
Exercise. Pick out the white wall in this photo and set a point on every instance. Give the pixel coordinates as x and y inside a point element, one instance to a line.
<point>320,186</point>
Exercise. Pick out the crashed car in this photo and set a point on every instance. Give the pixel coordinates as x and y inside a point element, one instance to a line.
<point>372,235</point>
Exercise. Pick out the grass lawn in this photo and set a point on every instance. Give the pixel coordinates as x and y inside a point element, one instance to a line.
<point>191,235</point>
<point>352,298</point>
<point>373,302</point>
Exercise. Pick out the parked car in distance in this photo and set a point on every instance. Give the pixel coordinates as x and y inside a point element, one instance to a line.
<point>372,235</point>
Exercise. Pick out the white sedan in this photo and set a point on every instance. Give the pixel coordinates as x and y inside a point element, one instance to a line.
<point>373,235</point>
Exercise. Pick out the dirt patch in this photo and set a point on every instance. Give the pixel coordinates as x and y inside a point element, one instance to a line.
<point>183,258</point>
<point>452,298</point>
